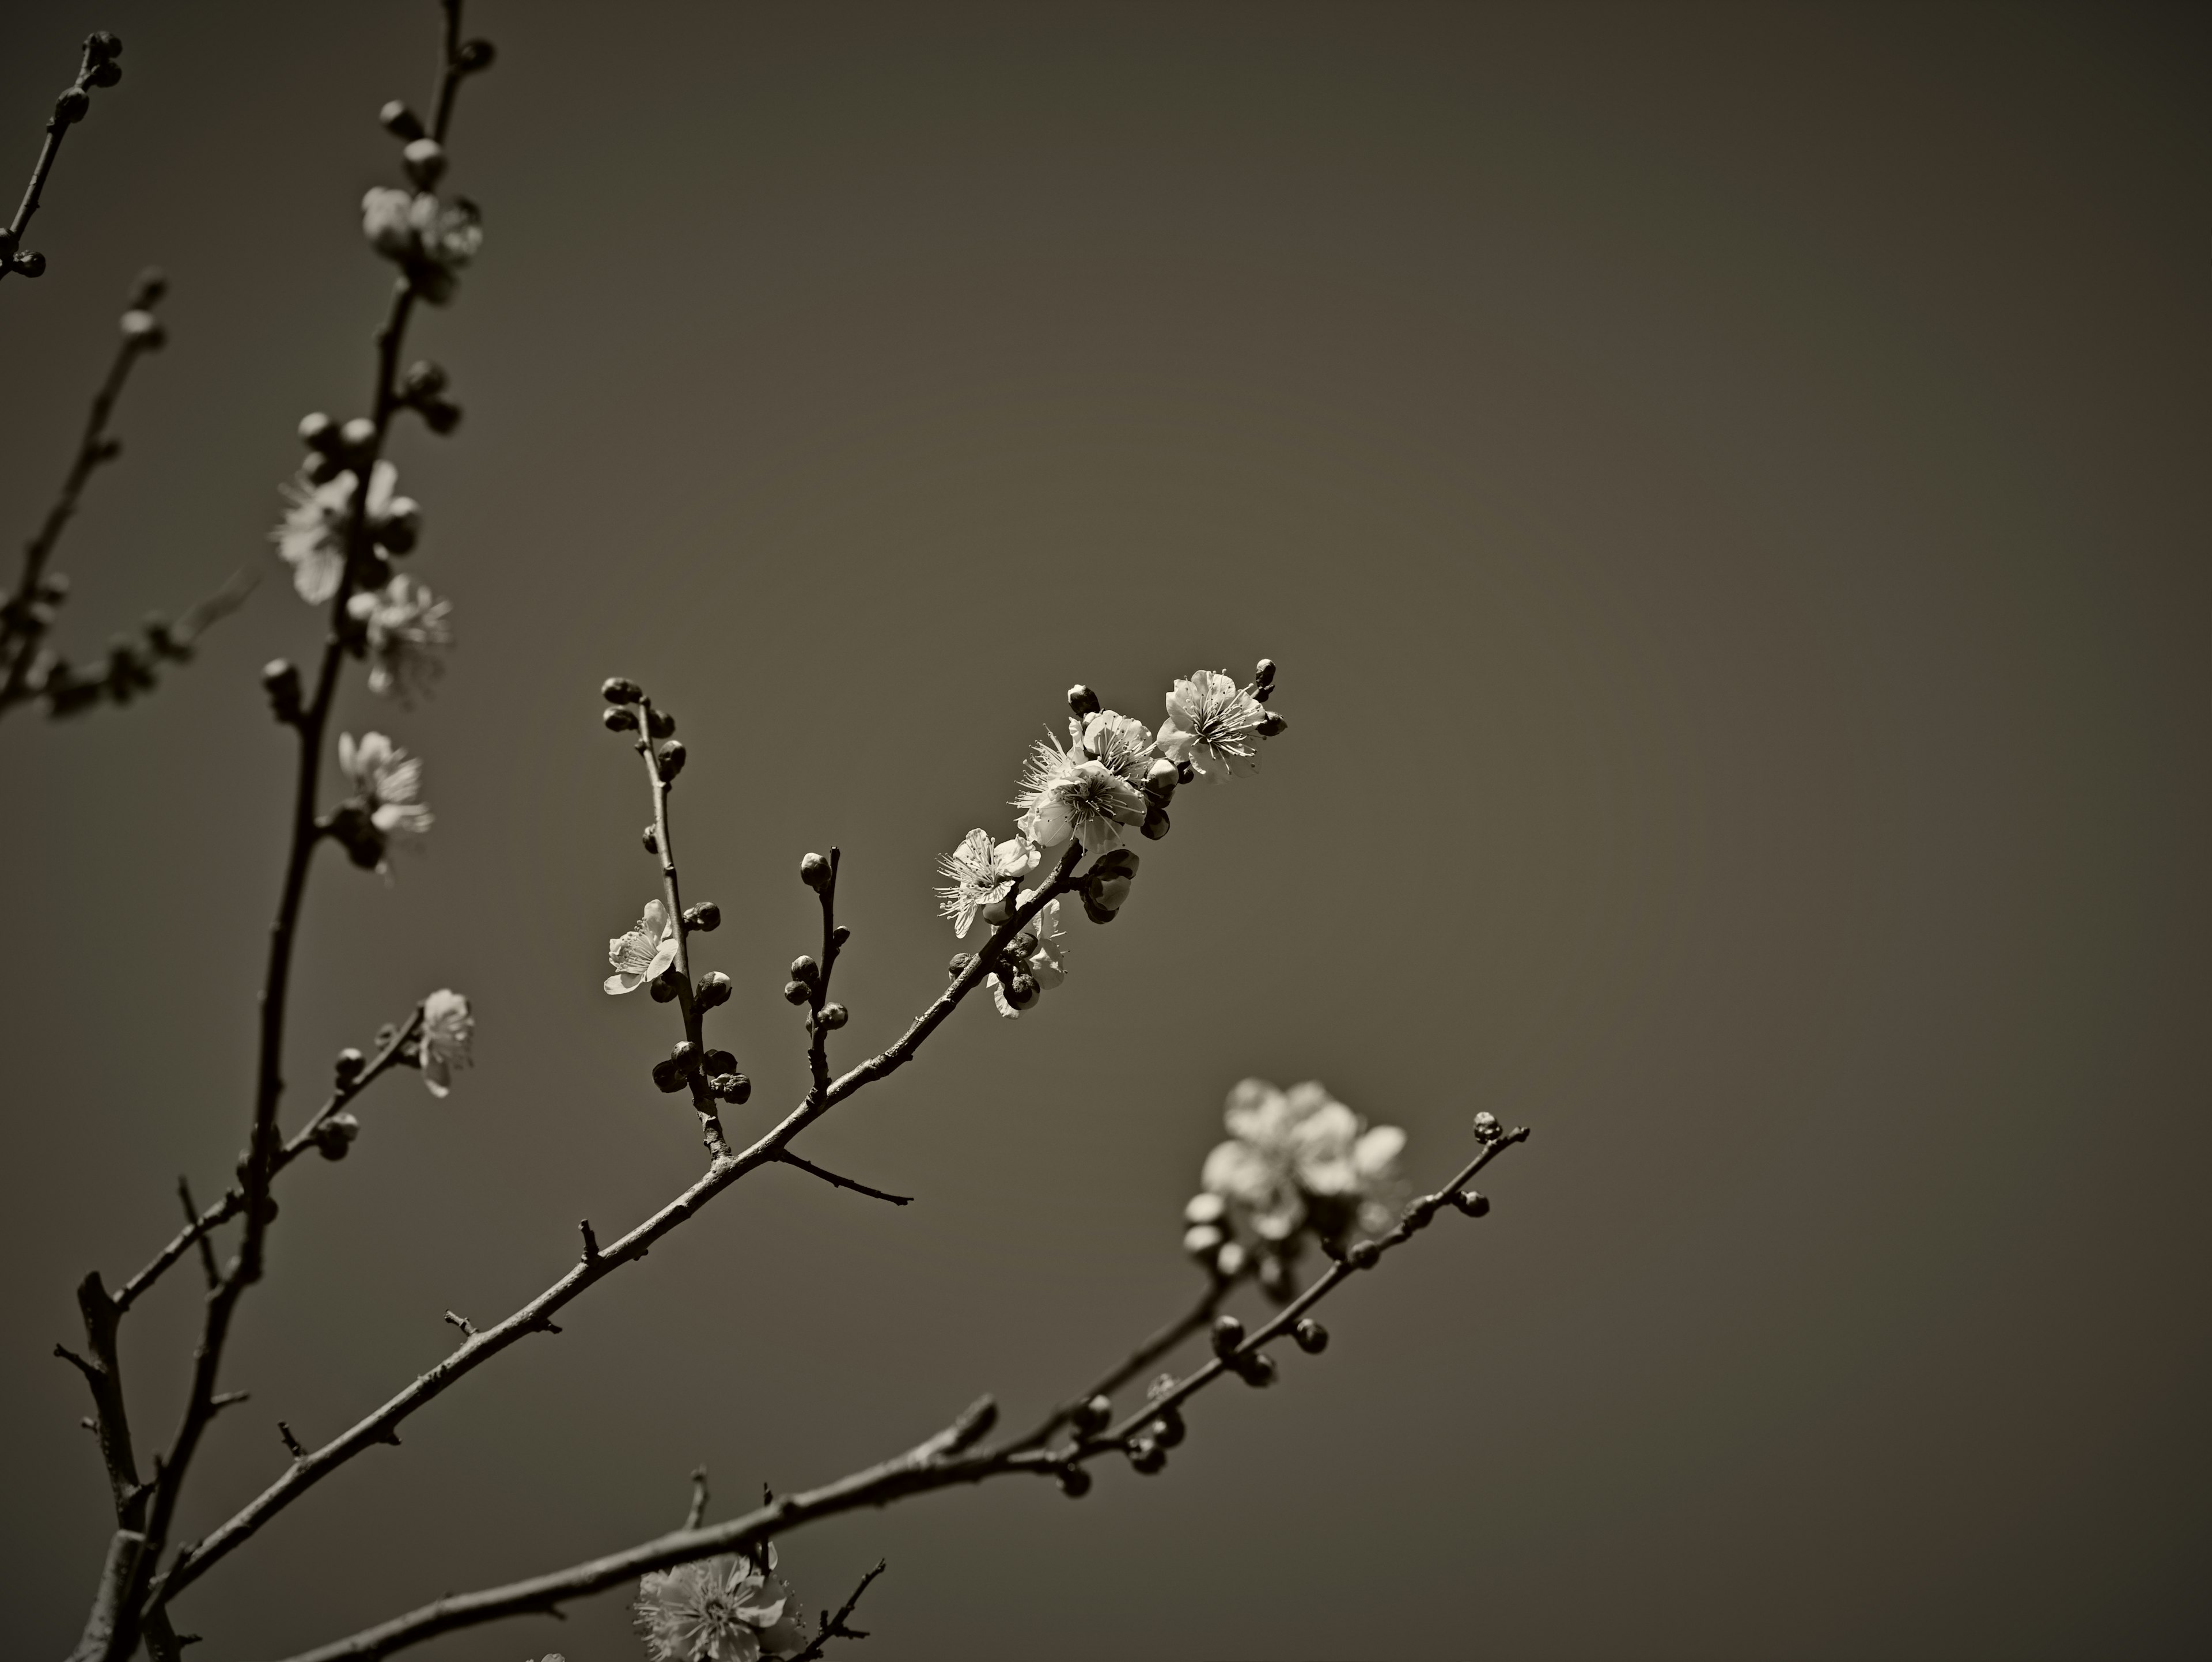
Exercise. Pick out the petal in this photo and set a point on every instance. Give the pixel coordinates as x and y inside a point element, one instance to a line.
<point>622,983</point>
<point>1378,1150</point>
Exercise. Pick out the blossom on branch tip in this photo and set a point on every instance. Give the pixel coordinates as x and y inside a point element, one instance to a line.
<point>644,952</point>
<point>1212,724</point>
<point>1299,1159</point>
<point>405,625</point>
<point>723,1609</point>
<point>980,872</point>
<point>1065,794</point>
<point>449,1028</point>
<point>430,239</point>
<point>312,538</point>
<point>1039,951</point>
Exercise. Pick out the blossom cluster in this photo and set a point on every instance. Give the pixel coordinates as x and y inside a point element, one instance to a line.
<point>1297,1164</point>
<point>1113,775</point>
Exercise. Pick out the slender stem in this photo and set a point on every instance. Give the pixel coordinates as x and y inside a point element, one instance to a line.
<point>1217,1288</point>
<point>381,1426</point>
<point>703,1095</point>
<point>838,1626</point>
<point>56,127</point>
<point>939,1462</point>
<point>836,1182</point>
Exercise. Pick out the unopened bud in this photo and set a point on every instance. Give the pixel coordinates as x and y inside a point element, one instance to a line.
<point>106,74</point>
<point>1156,822</point>
<point>1202,1238</point>
<point>1206,1207</point>
<point>804,968</point>
<point>833,1016</point>
<point>1023,991</point>
<point>621,689</point>
<point>1228,1333</point>
<point>28,263</point>
<point>734,1088</point>
<point>1486,1128</point>
<point>334,1136</point>
<point>840,935</point>
<point>400,121</point>
<point>1273,726</point>
<point>144,328</point>
<point>103,46</point>
<point>1229,1263</point>
<point>651,840</point>
<point>619,718</point>
<point>1083,701</point>
<point>682,1052</point>
<point>439,415</point>
<point>660,724</point>
<point>357,434</point>
<point>719,1061</point>
<point>1184,771</point>
<point>667,1075</point>
<point>1421,1212</point>
<point>424,380</point>
<point>281,681</point>
<point>1145,1455</point>
<point>318,431</point>
<point>662,989</point>
<point>1162,778</point>
<point>1473,1204</point>
<point>671,760</point>
<point>475,57</point>
<point>1093,1416</point>
<point>1169,1430</point>
<point>425,161</point>
<point>714,989</point>
<point>706,917</point>
<point>797,992</point>
<point>73,104</point>
<point>1074,1482</point>
<point>349,1064</point>
<point>958,965</point>
<point>1312,1336</point>
<point>1365,1255</point>
<point>1263,677</point>
<point>814,871</point>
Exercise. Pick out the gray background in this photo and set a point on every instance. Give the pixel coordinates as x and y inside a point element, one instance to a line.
<point>1727,490</point>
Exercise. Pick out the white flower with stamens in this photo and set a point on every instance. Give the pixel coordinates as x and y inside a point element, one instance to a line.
<point>388,784</point>
<point>1067,795</point>
<point>404,624</point>
<point>1121,742</point>
<point>982,873</point>
<point>448,1029</point>
<point>312,539</point>
<point>430,239</point>
<point>1212,724</point>
<point>644,952</point>
<point>1040,952</point>
<point>723,1609</point>
<point>1301,1159</point>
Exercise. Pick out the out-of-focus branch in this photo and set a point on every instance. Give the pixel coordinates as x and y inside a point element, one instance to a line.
<point>99,68</point>
<point>939,1462</point>
<point>838,1626</point>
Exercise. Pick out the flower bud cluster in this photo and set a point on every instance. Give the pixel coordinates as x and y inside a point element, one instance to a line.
<point>99,68</point>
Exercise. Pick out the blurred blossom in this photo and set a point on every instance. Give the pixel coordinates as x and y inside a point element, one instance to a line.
<point>980,873</point>
<point>1212,724</point>
<point>405,625</point>
<point>1299,1159</point>
<point>387,785</point>
<point>430,239</point>
<point>1066,796</point>
<point>644,952</point>
<point>448,1029</point>
<point>723,1609</point>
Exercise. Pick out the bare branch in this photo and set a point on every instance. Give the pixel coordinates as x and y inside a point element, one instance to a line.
<point>838,1626</point>
<point>836,1182</point>
<point>97,69</point>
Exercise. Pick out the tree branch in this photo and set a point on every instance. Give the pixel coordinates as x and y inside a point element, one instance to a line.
<point>836,1182</point>
<point>835,1626</point>
<point>98,68</point>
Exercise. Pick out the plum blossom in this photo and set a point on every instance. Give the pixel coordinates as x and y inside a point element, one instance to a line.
<point>1299,1159</point>
<point>982,873</point>
<point>404,624</point>
<point>1212,724</point>
<point>431,240</point>
<point>448,1029</point>
<point>644,952</point>
<point>723,1609</point>
<point>1121,742</point>
<point>386,801</point>
<point>1067,795</point>
<point>312,538</point>
<point>1039,951</point>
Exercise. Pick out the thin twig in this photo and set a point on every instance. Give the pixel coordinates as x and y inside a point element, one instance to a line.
<point>942,1461</point>
<point>836,1182</point>
<point>838,1626</point>
<point>697,1509</point>
<point>1217,1288</point>
<point>100,50</point>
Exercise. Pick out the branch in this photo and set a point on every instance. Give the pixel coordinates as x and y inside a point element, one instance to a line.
<point>1199,1315</point>
<point>698,1507</point>
<point>939,1462</point>
<point>97,69</point>
<point>835,1626</point>
<point>382,1425</point>
<point>836,1182</point>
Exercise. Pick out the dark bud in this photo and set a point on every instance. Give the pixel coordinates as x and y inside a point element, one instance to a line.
<point>719,1061</point>
<point>840,935</point>
<point>1185,772</point>
<point>1312,1336</point>
<point>322,468</point>
<point>1273,725</point>
<point>619,718</point>
<point>400,121</point>
<point>1474,1204</point>
<point>660,724</point>
<point>424,159</point>
<point>671,760</point>
<point>1419,1214</point>
<point>1228,1333</point>
<point>714,989</point>
<point>1156,821</point>
<point>958,966</point>
<point>318,432</point>
<point>1256,1370</point>
<point>439,415</point>
<point>706,916</point>
<point>833,1016</point>
<point>106,75</point>
<point>475,56</point>
<point>667,1075</point>
<point>683,1050</point>
<point>814,871</point>
<point>621,689</point>
<point>1021,990</point>
<point>73,104</point>
<point>424,380</point>
<point>1169,1431</point>
<point>797,992</point>
<point>1083,701</point>
<point>336,1134</point>
<point>733,1088</point>
<point>29,265</point>
<point>1363,1256</point>
<point>1161,779</point>
<point>651,841</point>
<point>281,681</point>
<point>1074,1482</point>
<point>1486,1128</point>
<point>662,989</point>
<point>804,968</point>
<point>1146,1456</point>
<point>1093,1417</point>
<point>102,46</point>
<point>349,1064</point>
<point>1263,677</point>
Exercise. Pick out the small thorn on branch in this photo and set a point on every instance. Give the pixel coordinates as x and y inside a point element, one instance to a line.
<point>89,1423</point>
<point>76,1361</point>
<point>468,1330</point>
<point>698,1509</point>
<point>291,1442</point>
<point>590,1241</point>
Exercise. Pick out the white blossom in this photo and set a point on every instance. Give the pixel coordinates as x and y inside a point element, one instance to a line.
<point>1298,1159</point>
<point>723,1609</point>
<point>1065,794</point>
<point>982,873</point>
<point>431,239</point>
<point>449,1029</point>
<point>388,784</point>
<point>644,952</point>
<point>405,625</point>
<point>1120,742</point>
<point>1212,724</point>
